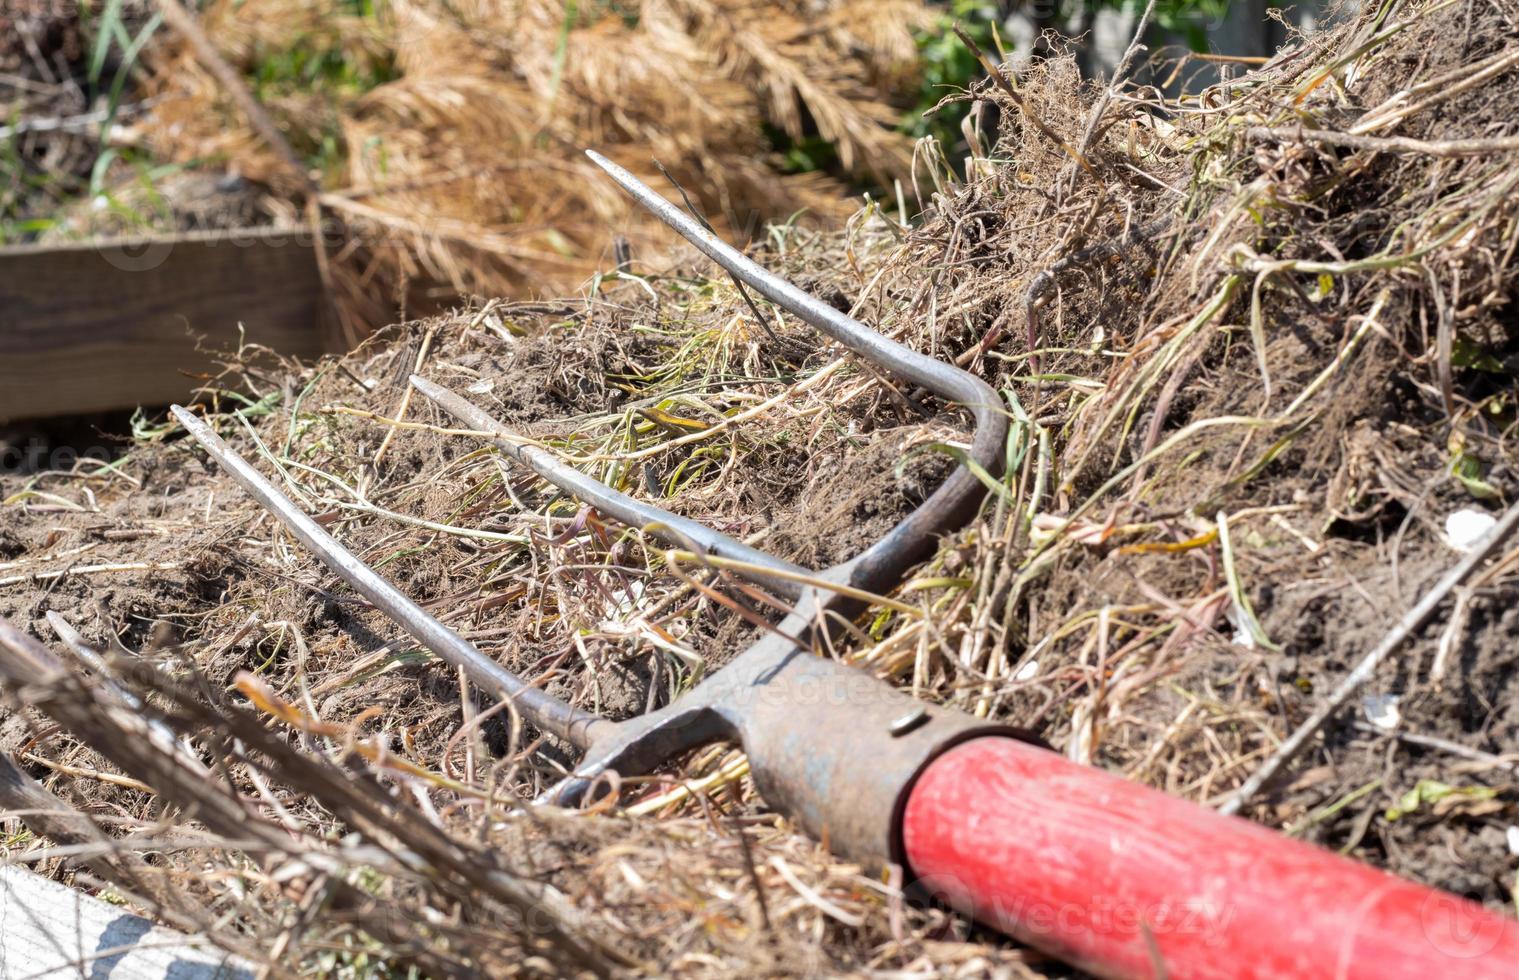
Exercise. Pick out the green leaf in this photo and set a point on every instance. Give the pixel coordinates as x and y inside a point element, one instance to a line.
<point>959,455</point>
<point>1471,471</point>
<point>1431,791</point>
<point>98,171</point>
<point>1465,354</point>
<point>130,49</point>
<point>110,20</point>
<point>559,243</point>
<point>1242,605</point>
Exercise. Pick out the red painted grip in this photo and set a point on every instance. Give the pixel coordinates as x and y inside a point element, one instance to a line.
<point>1118,878</point>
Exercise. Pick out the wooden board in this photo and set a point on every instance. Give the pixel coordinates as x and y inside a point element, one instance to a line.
<point>115,324</point>
<point>48,930</point>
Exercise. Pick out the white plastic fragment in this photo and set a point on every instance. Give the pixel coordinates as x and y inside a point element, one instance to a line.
<point>1513,840</point>
<point>1465,527</point>
<point>627,601</point>
<point>482,387</point>
<point>1382,710</point>
<point>1027,671</point>
<point>1242,635</point>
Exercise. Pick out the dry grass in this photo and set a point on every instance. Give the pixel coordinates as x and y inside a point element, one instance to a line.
<point>454,131</point>
<point>1253,358</point>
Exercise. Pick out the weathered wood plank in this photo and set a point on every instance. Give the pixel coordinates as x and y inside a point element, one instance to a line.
<point>112,325</point>
<point>48,930</point>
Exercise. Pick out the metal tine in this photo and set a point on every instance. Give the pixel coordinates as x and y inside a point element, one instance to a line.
<point>543,710</point>
<point>879,566</point>
<point>671,528</point>
<point>955,500</point>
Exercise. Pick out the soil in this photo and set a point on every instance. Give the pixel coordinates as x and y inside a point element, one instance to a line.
<point>1332,453</point>
<point>817,505</point>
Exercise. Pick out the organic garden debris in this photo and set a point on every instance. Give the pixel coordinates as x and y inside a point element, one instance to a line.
<point>446,136</point>
<point>51,132</point>
<point>1273,347</point>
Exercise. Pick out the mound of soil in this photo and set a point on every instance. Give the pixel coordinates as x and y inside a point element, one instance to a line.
<point>1257,348</point>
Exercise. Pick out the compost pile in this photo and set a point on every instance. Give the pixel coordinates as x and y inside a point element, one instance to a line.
<point>1257,347</point>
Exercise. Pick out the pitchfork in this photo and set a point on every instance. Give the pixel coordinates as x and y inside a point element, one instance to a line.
<point>1111,876</point>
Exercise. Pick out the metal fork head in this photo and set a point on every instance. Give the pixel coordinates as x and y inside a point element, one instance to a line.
<point>828,744</point>
<point>879,566</point>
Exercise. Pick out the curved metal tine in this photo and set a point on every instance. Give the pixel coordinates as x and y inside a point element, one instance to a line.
<point>670,528</point>
<point>543,710</point>
<point>952,502</point>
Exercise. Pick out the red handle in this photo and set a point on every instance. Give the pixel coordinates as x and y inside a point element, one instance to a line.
<point>1125,881</point>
